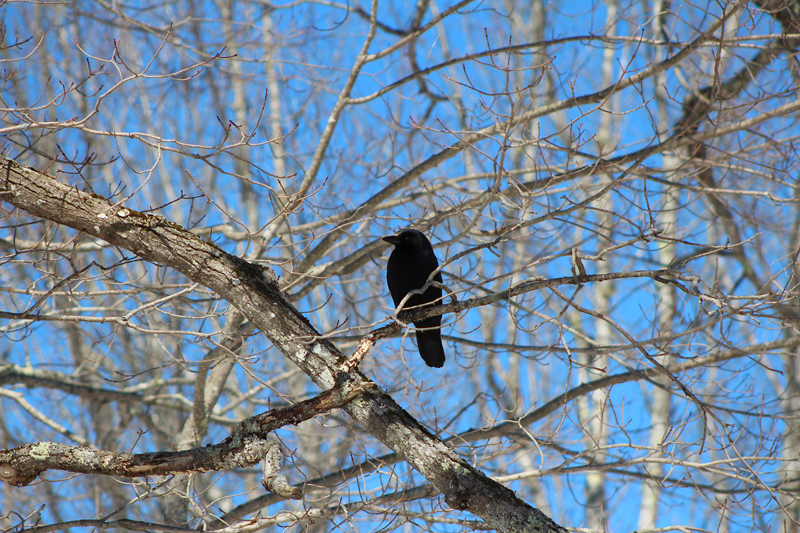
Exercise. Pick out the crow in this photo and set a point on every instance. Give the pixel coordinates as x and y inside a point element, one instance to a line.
<point>410,264</point>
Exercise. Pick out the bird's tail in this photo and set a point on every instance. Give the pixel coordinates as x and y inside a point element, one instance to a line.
<point>430,347</point>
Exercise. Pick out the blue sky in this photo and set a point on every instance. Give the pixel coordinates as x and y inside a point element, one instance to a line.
<point>313,48</point>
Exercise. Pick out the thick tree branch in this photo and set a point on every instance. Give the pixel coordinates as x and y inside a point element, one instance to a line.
<point>254,291</point>
<point>247,445</point>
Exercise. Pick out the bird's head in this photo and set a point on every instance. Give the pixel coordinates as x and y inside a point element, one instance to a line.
<point>410,238</point>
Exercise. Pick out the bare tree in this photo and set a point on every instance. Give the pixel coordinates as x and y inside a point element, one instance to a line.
<point>196,330</point>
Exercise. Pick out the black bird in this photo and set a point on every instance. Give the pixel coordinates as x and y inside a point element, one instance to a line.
<point>410,264</point>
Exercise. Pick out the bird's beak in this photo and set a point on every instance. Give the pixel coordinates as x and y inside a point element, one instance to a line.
<point>394,239</point>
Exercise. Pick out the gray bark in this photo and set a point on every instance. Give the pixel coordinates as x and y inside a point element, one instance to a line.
<point>254,291</point>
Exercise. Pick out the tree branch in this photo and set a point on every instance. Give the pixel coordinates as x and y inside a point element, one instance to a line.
<point>254,291</point>
<point>246,446</point>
